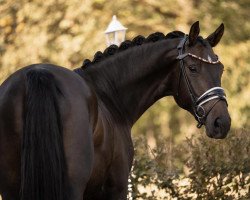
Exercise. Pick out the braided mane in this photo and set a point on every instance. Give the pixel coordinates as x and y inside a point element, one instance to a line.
<point>137,41</point>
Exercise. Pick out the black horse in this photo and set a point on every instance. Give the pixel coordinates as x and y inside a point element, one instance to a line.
<point>66,135</point>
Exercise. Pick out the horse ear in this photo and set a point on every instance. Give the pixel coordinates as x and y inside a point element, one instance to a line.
<point>193,33</point>
<point>215,37</point>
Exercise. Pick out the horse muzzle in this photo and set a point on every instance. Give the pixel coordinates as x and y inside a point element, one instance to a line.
<point>218,121</point>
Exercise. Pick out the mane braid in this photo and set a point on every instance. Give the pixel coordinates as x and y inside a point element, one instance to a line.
<point>137,41</point>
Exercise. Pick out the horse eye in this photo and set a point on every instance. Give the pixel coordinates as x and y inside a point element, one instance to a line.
<point>192,68</point>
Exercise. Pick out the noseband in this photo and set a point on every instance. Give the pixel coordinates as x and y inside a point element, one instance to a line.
<point>215,93</point>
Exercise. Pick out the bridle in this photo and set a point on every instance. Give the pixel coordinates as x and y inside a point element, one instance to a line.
<point>215,93</point>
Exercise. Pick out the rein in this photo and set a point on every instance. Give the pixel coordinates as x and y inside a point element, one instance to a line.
<point>214,93</point>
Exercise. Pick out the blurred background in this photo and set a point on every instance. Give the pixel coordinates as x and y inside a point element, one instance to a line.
<point>67,32</point>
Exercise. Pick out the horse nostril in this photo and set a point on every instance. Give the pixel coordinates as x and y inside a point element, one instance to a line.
<point>217,122</point>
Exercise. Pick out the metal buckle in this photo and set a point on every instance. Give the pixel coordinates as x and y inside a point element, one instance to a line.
<point>200,113</point>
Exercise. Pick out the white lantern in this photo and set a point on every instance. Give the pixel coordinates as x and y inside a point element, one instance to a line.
<point>115,33</point>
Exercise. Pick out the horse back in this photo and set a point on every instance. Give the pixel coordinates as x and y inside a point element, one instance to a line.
<point>75,105</point>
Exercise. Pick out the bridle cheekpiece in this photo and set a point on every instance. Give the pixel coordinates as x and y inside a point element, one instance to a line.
<point>215,93</point>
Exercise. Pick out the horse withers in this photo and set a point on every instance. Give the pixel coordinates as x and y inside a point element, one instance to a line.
<point>66,135</point>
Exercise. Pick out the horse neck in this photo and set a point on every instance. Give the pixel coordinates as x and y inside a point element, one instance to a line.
<point>131,81</point>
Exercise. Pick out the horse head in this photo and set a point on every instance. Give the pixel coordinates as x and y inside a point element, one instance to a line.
<point>198,83</point>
